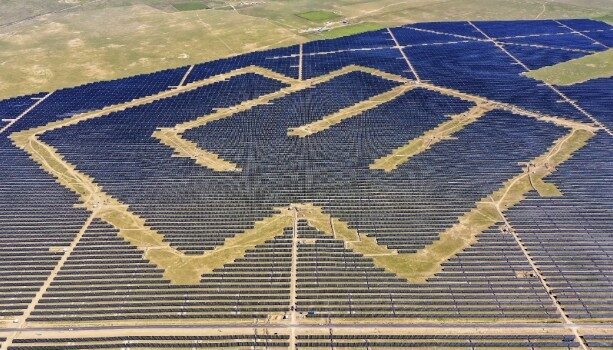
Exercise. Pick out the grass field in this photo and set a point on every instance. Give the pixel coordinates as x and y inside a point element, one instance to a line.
<point>45,45</point>
<point>190,6</point>
<point>318,16</point>
<point>606,18</point>
<point>345,30</point>
<point>115,42</point>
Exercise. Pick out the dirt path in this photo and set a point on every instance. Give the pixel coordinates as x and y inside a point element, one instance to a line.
<point>549,47</point>
<point>544,283</point>
<point>300,62</point>
<point>465,37</point>
<point>404,55</point>
<point>189,70</point>
<point>349,112</point>
<point>424,142</point>
<point>293,319</point>
<point>544,4</point>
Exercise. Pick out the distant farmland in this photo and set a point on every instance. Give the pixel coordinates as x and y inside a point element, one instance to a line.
<point>379,190</point>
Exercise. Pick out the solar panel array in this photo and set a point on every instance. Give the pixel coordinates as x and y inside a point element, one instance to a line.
<point>479,283</point>
<point>254,286</point>
<point>306,341</point>
<point>137,169</point>
<point>13,107</point>
<point>410,341</point>
<point>37,216</point>
<point>560,243</point>
<point>596,96</point>
<point>599,341</point>
<point>235,341</point>
<point>569,237</point>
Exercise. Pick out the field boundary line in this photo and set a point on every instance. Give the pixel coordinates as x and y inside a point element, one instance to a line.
<point>548,47</point>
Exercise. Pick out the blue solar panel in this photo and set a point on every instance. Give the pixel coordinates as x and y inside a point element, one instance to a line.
<point>378,38</point>
<point>586,24</point>
<point>66,102</point>
<point>282,60</point>
<point>409,36</point>
<point>568,41</point>
<point>196,208</point>
<point>457,28</point>
<point>387,60</point>
<point>536,57</point>
<point>13,107</point>
<point>482,68</point>
<point>596,96</point>
<point>500,29</point>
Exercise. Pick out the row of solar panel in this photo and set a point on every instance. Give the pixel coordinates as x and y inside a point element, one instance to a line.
<point>519,341</point>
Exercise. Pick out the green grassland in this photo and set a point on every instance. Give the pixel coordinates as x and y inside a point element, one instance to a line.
<point>190,6</point>
<point>49,44</point>
<point>598,65</point>
<point>345,30</point>
<point>318,16</point>
<point>606,18</point>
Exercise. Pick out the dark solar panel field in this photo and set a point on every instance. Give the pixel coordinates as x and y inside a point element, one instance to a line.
<point>406,177</point>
